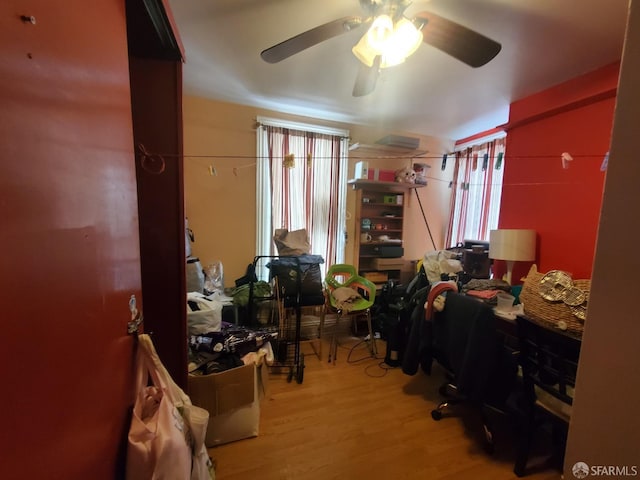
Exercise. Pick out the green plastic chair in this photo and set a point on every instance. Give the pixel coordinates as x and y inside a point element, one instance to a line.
<point>348,278</point>
<point>339,274</point>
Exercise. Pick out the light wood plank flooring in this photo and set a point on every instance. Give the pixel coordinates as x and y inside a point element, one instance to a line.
<point>358,420</point>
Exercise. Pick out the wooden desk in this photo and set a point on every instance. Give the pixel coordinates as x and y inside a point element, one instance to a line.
<point>508,330</point>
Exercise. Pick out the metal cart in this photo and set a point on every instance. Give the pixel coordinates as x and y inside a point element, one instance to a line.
<point>284,307</point>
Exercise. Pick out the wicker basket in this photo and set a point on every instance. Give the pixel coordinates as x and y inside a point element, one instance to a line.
<point>550,313</point>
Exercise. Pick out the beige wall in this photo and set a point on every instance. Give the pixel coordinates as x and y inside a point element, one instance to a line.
<point>221,207</point>
<point>605,425</point>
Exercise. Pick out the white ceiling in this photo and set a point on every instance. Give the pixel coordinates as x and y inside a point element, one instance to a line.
<point>544,42</point>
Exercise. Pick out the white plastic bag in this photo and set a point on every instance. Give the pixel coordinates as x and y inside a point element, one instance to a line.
<point>207,315</point>
<point>195,420</point>
<point>157,446</point>
<point>214,278</point>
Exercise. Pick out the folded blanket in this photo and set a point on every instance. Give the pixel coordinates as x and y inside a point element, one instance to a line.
<point>345,297</point>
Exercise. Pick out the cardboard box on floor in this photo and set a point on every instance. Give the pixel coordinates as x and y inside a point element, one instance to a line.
<point>232,399</point>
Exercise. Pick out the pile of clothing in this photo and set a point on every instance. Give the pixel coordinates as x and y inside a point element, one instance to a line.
<point>215,352</point>
<point>486,289</point>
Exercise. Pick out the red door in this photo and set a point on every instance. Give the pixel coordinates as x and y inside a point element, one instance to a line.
<point>69,243</point>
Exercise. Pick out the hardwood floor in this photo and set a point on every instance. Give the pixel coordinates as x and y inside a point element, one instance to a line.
<point>358,420</point>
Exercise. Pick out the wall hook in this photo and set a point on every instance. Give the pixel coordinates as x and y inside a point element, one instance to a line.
<point>153,164</point>
<point>136,317</point>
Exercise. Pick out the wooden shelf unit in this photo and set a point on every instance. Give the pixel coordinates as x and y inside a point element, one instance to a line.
<point>378,249</point>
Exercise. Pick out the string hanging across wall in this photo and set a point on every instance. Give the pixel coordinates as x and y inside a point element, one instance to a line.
<point>155,163</point>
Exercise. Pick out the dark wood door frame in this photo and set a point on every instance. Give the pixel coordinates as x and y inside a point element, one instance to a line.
<point>155,65</point>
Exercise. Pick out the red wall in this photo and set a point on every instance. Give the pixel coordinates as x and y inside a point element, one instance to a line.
<point>69,239</point>
<point>562,205</point>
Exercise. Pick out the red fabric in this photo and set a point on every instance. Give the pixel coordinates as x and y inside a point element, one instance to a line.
<point>436,290</point>
<point>485,294</point>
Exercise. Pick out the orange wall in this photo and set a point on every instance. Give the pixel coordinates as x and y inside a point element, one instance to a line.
<point>221,208</point>
<point>562,205</point>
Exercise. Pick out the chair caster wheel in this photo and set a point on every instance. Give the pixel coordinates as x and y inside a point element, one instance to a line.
<point>436,414</point>
<point>489,448</point>
<point>488,437</point>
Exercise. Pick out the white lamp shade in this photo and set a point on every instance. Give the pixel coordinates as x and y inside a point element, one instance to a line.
<point>512,244</point>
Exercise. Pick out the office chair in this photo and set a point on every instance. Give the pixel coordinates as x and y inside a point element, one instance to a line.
<point>339,280</point>
<point>481,372</point>
<point>549,362</point>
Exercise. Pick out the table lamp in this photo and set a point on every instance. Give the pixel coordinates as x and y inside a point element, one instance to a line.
<point>512,245</point>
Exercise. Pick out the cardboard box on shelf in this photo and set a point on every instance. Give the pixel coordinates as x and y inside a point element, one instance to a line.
<point>376,277</point>
<point>381,175</point>
<point>232,399</point>
<point>388,263</point>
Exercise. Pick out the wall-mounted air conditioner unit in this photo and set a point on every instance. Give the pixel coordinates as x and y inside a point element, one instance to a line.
<point>391,146</point>
<point>400,141</point>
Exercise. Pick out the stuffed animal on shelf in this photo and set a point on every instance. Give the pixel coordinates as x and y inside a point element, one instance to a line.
<point>405,175</point>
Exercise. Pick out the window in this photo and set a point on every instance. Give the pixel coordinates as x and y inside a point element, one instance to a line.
<point>477,184</point>
<point>301,183</point>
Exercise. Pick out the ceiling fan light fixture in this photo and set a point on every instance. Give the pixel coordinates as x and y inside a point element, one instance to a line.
<point>380,32</point>
<point>391,59</point>
<point>391,38</point>
<point>406,38</point>
<point>394,43</point>
<point>363,52</point>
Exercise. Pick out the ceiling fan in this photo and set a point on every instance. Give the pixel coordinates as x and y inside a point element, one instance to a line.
<point>390,39</point>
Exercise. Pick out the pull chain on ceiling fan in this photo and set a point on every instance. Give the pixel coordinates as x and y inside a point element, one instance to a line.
<point>390,39</point>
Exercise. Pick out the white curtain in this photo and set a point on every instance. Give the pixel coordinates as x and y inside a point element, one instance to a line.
<point>310,194</point>
<point>263,200</point>
<point>475,204</point>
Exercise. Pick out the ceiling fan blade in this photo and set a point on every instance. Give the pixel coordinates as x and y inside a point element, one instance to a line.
<point>460,42</point>
<point>310,38</point>
<point>367,78</point>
